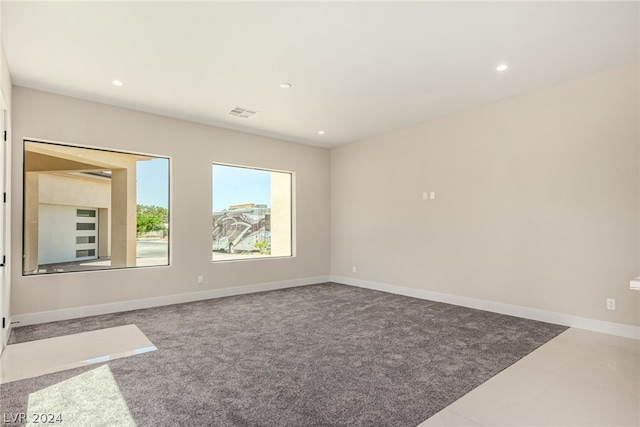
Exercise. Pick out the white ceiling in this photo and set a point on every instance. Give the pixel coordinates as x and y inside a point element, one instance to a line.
<point>358,69</point>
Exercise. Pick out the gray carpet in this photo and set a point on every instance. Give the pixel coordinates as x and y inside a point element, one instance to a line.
<point>322,355</point>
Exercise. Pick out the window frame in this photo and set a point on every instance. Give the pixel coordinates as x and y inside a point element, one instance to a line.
<point>169,186</point>
<point>292,214</point>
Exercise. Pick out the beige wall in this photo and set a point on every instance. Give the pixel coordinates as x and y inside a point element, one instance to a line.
<point>281,243</point>
<point>192,148</point>
<point>74,191</point>
<point>537,201</point>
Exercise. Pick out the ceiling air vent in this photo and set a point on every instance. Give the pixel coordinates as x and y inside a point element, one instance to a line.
<point>242,112</point>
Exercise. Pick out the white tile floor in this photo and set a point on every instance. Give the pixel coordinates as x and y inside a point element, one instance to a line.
<point>580,378</point>
<point>34,358</point>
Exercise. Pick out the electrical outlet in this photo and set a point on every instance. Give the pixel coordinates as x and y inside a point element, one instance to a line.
<point>354,269</point>
<point>611,304</point>
<point>200,280</point>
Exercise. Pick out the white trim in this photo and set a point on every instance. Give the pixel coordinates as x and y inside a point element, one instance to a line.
<point>5,225</point>
<point>3,345</point>
<point>116,307</point>
<point>612,328</point>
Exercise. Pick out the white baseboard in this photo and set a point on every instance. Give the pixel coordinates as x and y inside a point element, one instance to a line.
<point>619,329</point>
<point>116,307</point>
<point>612,328</point>
<point>5,335</point>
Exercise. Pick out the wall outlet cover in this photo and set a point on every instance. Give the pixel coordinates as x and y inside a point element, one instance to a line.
<point>611,304</point>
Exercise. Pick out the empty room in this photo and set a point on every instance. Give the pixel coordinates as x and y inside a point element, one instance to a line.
<point>350,213</point>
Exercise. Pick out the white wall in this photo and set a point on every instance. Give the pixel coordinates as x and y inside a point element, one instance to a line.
<point>537,202</point>
<point>192,148</point>
<point>5,274</point>
<point>57,234</point>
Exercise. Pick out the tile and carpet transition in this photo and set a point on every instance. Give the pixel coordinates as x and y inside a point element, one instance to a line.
<point>320,355</point>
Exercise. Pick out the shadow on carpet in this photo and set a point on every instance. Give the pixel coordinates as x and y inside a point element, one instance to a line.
<point>321,355</point>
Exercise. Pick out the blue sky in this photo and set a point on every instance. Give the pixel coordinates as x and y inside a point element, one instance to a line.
<point>153,182</point>
<point>231,185</point>
<point>234,186</point>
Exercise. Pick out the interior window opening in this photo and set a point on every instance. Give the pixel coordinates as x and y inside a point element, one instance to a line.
<point>93,209</point>
<point>252,213</point>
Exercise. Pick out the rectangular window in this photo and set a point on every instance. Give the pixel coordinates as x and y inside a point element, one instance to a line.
<point>115,204</point>
<point>81,253</point>
<point>252,213</point>
<point>86,213</point>
<point>85,239</point>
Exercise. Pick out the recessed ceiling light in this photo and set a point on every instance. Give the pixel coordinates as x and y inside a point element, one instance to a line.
<point>285,85</point>
<point>116,82</point>
<point>502,67</point>
<point>320,132</point>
